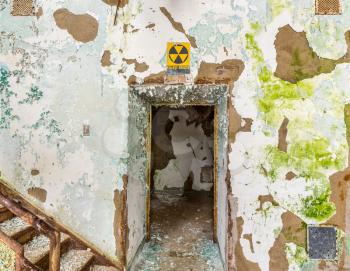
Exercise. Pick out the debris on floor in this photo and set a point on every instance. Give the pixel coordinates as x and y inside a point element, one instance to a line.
<point>181,235</point>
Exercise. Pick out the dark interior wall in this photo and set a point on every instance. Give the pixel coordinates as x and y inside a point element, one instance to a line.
<point>182,146</point>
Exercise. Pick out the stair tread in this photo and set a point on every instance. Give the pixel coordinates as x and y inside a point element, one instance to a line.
<point>103,268</point>
<point>37,248</point>
<point>2,208</point>
<point>13,226</point>
<point>75,260</point>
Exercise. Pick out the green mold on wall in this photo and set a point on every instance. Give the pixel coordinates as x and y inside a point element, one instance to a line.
<point>277,94</point>
<point>51,125</point>
<point>318,206</point>
<point>311,158</point>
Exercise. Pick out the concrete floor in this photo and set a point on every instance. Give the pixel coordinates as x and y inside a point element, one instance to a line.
<point>181,235</point>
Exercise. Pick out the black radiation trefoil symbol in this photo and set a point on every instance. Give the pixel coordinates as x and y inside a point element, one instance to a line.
<point>178,54</point>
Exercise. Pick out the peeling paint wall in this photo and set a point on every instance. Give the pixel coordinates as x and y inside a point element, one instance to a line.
<point>288,74</point>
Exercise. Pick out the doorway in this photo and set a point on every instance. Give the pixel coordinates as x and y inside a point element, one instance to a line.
<point>182,230</point>
<point>191,147</point>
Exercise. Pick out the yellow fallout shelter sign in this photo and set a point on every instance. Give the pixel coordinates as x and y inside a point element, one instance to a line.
<point>178,55</point>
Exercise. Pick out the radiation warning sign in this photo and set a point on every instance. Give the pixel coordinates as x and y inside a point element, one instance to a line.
<point>178,55</point>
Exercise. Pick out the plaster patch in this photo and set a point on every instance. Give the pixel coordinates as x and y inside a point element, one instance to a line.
<point>83,28</point>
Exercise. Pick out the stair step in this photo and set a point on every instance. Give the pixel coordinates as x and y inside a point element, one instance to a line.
<point>14,227</point>
<point>103,268</point>
<point>5,214</point>
<point>39,248</point>
<point>76,260</point>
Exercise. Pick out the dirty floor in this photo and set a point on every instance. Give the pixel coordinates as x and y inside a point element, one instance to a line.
<point>181,235</point>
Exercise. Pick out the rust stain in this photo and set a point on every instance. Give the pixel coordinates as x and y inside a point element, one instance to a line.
<point>139,67</point>
<point>121,222</point>
<point>106,59</point>
<point>82,27</point>
<point>294,230</point>
<point>34,172</point>
<point>296,60</point>
<point>282,136</point>
<point>266,198</point>
<point>290,175</point>
<point>38,193</point>
<point>178,26</point>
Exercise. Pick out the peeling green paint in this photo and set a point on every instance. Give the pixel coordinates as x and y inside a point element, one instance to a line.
<point>307,157</point>
<point>51,125</point>
<point>6,93</point>
<point>34,95</point>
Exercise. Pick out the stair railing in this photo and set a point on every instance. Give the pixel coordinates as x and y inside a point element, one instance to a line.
<point>38,224</point>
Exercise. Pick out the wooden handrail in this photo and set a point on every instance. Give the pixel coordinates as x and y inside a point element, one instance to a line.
<point>21,262</point>
<point>9,191</point>
<point>39,225</point>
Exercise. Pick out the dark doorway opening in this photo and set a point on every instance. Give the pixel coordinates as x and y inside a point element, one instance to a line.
<point>182,187</point>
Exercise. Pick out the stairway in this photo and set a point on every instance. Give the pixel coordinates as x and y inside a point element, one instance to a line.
<point>74,255</point>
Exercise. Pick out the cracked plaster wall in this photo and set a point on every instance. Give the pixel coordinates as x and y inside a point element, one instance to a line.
<point>53,82</point>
